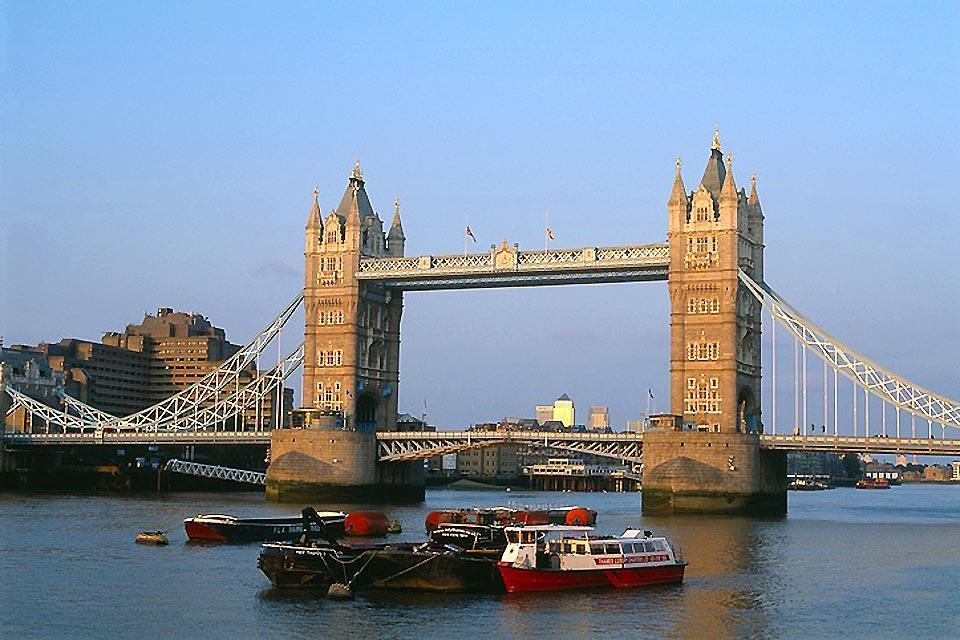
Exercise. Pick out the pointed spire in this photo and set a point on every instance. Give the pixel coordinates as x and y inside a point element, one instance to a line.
<point>754,198</point>
<point>679,193</point>
<point>313,220</point>
<point>714,173</point>
<point>396,230</point>
<point>716,138</point>
<point>729,185</point>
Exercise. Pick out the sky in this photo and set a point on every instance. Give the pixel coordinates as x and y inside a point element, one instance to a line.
<point>165,155</point>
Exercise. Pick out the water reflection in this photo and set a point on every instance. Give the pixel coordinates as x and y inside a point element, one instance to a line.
<point>840,560</point>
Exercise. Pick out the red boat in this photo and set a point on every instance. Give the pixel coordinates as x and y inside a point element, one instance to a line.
<point>508,516</point>
<point>555,557</point>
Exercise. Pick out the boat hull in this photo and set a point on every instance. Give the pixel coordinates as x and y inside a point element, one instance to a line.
<point>517,580</point>
<point>253,529</point>
<point>295,567</point>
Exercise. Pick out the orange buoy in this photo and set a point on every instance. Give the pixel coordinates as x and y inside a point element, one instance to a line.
<point>366,523</point>
<point>581,516</point>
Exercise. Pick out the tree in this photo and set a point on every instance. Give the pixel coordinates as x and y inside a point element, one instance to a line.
<point>851,465</point>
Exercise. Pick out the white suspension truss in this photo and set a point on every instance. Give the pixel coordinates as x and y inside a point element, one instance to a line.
<point>862,371</point>
<point>216,398</point>
<point>219,473</point>
<point>417,445</point>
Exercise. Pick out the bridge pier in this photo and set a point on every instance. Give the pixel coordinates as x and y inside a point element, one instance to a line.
<point>702,472</point>
<point>335,466</point>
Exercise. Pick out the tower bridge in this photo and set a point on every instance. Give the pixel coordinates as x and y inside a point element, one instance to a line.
<point>724,447</point>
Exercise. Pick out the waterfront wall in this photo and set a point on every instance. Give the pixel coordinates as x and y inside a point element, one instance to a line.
<point>702,472</point>
<point>337,466</point>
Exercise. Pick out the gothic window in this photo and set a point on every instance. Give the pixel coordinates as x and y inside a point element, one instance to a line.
<point>321,358</point>
<point>321,318</point>
<point>332,236</point>
<point>331,357</point>
<point>330,264</point>
<point>703,305</point>
<point>339,317</point>
<point>330,317</point>
<point>702,399</point>
<point>703,350</point>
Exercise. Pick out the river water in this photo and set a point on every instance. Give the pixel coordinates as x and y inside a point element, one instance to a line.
<point>843,564</point>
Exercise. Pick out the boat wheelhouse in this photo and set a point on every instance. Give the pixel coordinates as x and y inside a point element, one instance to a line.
<point>554,557</point>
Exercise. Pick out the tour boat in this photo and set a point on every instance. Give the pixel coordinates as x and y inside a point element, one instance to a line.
<point>555,557</point>
<point>225,528</point>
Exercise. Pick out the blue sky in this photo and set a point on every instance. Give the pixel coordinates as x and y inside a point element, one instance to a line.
<point>164,155</point>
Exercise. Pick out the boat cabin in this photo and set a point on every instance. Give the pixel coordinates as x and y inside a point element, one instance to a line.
<point>563,548</point>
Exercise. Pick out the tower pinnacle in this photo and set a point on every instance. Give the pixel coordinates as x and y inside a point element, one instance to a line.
<point>357,173</point>
<point>716,137</point>
<point>313,220</point>
<point>729,188</point>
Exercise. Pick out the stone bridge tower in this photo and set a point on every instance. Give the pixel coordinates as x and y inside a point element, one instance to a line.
<point>715,339</point>
<point>351,365</point>
<point>352,335</point>
<point>711,460</point>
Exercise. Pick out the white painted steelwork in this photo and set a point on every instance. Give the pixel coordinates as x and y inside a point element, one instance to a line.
<point>212,471</point>
<point>865,373</point>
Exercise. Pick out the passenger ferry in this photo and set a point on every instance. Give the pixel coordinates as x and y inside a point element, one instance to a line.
<point>554,557</point>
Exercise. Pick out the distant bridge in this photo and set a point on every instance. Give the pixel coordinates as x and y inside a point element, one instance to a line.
<point>394,446</point>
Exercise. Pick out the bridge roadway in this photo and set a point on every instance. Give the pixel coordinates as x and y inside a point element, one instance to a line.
<point>414,445</point>
<point>510,267</point>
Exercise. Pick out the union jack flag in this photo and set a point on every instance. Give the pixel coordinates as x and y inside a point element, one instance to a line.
<point>470,234</point>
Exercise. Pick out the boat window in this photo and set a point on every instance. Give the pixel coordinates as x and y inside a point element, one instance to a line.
<point>612,549</point>
<point>658,545</point>
<point>596,549</point>
<point>513,536</point>
<point>528,537</point>
<point>636,547</point>
<point>648,547</point>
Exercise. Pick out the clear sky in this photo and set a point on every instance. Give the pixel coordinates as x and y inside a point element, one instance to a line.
<point>164,154</point>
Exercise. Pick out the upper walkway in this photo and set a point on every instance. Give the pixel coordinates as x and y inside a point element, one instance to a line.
<point>507,266</point>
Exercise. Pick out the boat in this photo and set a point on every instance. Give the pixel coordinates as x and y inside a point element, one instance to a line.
<point>151,537</point>
<point>456,559</point>
<point>556,557</point>
<point>873,483</point>
<point>366,523</point>
<point>226,528</point>
<point>492,516</point>
<point>576,516</point>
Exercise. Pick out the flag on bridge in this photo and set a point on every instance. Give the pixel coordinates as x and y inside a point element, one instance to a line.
<point>550,233</point>
<point>470,234</point>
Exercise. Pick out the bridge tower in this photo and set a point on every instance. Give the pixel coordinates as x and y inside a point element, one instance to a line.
<point>710,459</point>
<point>351,360</point>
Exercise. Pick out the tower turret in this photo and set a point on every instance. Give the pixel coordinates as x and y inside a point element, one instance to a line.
<point>314,229</point>
<point>678,206</point>
<point>396,239</point>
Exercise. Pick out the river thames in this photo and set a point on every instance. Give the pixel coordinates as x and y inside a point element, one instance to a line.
<point>843,564</point>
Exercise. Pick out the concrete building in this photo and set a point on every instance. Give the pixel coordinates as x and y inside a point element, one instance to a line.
<point>491,464</point>
<point>148,362</point>
<point>563,411</point>
<point>544,413</point>
<point>599,418</point>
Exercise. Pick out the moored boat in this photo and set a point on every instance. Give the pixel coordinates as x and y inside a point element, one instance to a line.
<point>456,559</point>
<point>226,528</point>
<point>873,483</point>
<point>557,557</point>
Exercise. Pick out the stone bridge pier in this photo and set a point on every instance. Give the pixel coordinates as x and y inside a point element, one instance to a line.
<point>335,466</point>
